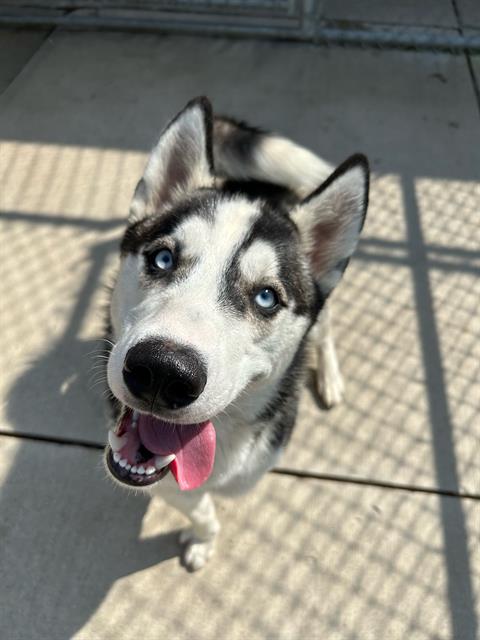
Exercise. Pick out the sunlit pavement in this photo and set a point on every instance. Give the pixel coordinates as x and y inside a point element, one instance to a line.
<point>382,540</point>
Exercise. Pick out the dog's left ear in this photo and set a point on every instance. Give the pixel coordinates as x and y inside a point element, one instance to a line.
<point>181,161</point>
<point>331,218</point>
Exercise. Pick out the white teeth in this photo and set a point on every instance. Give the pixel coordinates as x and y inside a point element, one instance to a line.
<point>115,442</point>
<point>162,461</point>
<point>118,442</point>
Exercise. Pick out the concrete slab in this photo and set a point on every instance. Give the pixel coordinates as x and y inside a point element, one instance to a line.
<point>470,13</point>
<point>70,167</point>
<point>476,66</point>
<point>407,12</point>
<point>334,100</point>
<point>17,47</point>
<point>295,559</point>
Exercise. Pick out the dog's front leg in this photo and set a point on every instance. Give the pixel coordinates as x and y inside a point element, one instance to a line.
<point>330,384</point>
<point>199,540</point>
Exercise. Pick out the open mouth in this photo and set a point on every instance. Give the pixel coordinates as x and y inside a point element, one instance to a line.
<point>143,449</point>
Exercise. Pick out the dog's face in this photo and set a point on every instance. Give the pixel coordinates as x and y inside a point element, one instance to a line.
<point>217,290</point>
<point>218,287</point>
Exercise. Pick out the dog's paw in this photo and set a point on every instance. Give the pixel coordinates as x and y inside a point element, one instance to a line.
<point>196,553</point>
<point>330,387</point>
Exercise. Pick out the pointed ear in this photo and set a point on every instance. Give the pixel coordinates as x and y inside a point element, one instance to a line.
<point>181,161</point>
<point>331,218</point>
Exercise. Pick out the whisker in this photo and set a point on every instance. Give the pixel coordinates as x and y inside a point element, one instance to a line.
<point>89,353</point>
<point>96,378</point>
<point>97,375</point>
<point>96,370</point>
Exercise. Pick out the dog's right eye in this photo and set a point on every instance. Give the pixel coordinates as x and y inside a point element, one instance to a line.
<point>162,260</point>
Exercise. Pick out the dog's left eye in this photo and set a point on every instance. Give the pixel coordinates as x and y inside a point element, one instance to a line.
<point>162,260</point>
<point>266,299</point>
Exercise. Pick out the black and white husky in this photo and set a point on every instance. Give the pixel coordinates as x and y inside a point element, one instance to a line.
<point>235,240</point>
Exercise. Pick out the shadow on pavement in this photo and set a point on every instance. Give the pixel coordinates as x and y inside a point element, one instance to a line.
<point>96,541</point>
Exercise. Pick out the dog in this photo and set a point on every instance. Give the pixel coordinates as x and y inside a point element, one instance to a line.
<point>235,240</point>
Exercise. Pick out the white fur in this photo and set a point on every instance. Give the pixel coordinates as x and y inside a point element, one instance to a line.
<point>291,165</point>
<point>260,262</point>
<point>330,385</point>
<point>244,364</point>
<point>277,160</point>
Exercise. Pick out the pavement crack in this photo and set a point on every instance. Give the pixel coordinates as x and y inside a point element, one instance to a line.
<point>283,471</point>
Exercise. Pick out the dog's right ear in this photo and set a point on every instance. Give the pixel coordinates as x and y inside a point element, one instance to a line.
<point>181,161</point>
<point>330,220</point>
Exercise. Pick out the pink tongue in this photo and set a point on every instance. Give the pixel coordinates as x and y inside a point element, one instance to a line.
<point>192,444</point>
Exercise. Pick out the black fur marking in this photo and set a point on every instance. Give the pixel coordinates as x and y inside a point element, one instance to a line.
<point>238,136</point>
<point>320,299</point>
<point>275,227</point>
<point>281,411</point>
<point>274,194</point>
<point>145,231</point>
<point>232,294</point>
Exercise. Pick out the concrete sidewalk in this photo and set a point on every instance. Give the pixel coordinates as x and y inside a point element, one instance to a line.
<point>356,555</point>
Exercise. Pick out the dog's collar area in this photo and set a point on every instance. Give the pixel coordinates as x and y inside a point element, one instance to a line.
<point>143,448</point>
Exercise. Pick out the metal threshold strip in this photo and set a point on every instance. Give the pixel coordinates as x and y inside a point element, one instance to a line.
<point>285,28</point>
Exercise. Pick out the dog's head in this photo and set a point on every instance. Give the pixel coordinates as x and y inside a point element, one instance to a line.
<point>215,292</point>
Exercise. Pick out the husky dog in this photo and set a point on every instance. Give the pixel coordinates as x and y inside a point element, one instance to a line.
<point>235,240</point>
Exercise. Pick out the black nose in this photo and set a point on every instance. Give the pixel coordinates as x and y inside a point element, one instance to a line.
<point>164,374</point>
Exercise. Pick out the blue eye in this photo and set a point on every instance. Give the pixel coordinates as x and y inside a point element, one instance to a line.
<point>266,299</point>
<point>163,260</point>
